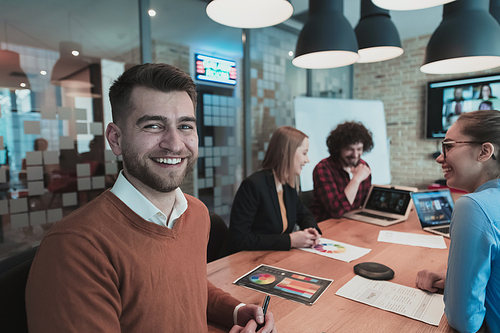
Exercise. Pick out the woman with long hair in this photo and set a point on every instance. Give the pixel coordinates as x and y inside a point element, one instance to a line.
<point>266,207</point>
<point>470,161</point>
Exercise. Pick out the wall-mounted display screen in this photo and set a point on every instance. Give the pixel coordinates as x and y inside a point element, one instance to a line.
<point>446,100</point>
<point>215,69</point>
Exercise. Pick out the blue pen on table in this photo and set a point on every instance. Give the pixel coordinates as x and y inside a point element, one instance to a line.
<point>264,309</point>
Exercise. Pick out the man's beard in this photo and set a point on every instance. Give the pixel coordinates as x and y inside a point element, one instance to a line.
<point>139,169</point>
<point>351,162</point>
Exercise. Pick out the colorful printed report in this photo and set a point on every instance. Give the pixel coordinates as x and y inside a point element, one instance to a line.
<point>337,250</point>
<point>393,297</point>
<point>297,287</point>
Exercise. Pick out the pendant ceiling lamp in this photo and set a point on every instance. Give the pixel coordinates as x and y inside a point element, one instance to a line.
<point>249,13</point>
<point>495,9</point>
<point>327,40</point>
<point>378,38</point>
<point>11,74</point>
<point>70,69</point>
<point>408,4</point>
<point>467,40</point>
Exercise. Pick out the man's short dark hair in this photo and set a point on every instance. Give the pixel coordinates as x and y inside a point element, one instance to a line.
<point>347,134</point>
<point>161,77</point>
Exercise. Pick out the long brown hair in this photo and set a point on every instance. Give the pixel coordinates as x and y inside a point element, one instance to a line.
<point>281,152</point>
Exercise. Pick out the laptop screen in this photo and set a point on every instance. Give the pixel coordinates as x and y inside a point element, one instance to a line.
<point>388,200</point>
<point>433,207</point>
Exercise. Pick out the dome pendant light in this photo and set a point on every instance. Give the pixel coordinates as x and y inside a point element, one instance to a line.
<point>11,74</point>
<point>467,40</point>
<point>249,13</point>
<point>327,40</point>
<point>495,9</point>
<point>408,4</point>
<point>377,36</point>
<point>70,70</point>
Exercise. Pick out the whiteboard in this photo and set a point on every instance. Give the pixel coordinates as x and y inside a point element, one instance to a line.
<point>317,117</point>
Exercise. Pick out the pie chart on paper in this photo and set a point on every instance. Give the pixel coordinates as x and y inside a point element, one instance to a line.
<point>330,248</point>
<point>262,278</point>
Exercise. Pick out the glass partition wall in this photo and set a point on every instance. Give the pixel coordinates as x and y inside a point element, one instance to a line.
<point>57,62</point>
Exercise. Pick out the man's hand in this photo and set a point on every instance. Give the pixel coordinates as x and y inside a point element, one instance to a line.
<point>430,281</point>
<point>361,172</point>
<point>305,238</point>
<point>249,316</point>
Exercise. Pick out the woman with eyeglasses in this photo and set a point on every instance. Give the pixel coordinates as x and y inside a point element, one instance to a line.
<point>472,281</point>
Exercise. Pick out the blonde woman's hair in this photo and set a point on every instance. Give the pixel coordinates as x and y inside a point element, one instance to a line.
<point>281,151</point>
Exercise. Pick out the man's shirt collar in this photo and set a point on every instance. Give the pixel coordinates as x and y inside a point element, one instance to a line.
<point>136,201</point>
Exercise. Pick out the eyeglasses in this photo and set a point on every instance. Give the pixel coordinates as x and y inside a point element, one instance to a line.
<point>446,146</point>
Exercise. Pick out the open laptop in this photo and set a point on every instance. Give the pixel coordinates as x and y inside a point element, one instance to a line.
<point>434,210</point>
<point>385,205</point>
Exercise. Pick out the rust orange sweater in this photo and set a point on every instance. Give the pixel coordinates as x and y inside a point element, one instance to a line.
<point>105,269</point>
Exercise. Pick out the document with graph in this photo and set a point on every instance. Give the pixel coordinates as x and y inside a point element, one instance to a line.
<point>297,287</point>
<point>393,297</point>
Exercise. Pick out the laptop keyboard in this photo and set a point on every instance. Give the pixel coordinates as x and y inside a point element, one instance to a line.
<point>444,230</point>
<point>380,217</point>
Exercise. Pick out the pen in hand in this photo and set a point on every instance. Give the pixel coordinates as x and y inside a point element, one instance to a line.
<point>264,309</point>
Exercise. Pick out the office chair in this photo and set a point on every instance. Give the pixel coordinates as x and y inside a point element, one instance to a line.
<point>13,277</point>
<point>306,198</point>
<point>218,237</point>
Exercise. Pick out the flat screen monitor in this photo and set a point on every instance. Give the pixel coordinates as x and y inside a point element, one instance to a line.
<point>446,100</point>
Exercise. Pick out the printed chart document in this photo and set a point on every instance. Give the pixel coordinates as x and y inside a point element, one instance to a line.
<point>406,238</point>
<point>294,286</point>
<point>337,250</point>
<point>393,297</point>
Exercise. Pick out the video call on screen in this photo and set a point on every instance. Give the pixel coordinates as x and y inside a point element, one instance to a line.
<point>434,210</point>
<point>388,201</point>
<point>448,99</point>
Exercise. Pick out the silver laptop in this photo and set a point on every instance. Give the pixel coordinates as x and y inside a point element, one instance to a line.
<point>385,205</point>
<point>434,210</point>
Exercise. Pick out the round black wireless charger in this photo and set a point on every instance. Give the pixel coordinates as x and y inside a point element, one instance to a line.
<point>374,271</point>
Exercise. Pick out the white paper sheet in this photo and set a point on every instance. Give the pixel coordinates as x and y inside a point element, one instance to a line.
<point>392,297</point>
<point>337,250</point>
<point>406,238</point>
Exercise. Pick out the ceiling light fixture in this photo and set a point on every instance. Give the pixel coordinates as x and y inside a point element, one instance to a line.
<point>71,70</point>
<point>327,40</point>
<point>495,9</point>
<point>408,4</point>
<point>467,40</point>
<point>11,74</point>
<point>378,38</point>
<point>249,13</point>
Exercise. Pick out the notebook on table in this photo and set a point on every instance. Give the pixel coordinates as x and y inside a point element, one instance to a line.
<point>434,210</point>
<point>385,205</point>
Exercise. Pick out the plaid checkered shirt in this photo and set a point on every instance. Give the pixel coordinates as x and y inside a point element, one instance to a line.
<point>330,181</point>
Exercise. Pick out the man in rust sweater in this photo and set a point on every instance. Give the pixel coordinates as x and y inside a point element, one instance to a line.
<point>134,259</point>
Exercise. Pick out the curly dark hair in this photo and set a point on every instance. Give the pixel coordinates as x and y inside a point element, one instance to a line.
<point>346,134</point>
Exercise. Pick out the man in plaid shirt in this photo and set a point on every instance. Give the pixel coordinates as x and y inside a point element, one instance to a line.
<point>342,181</point>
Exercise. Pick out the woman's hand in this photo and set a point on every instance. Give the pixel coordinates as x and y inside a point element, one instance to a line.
<point>305,238</point>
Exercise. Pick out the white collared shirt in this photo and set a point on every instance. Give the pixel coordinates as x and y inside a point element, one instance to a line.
<point>136,201</point>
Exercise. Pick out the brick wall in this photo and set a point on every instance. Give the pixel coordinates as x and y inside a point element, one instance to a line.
<point>275,82</point>
<point>400,85</point>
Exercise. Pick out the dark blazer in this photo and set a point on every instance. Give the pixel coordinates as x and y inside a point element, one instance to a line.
<point>256,222</point>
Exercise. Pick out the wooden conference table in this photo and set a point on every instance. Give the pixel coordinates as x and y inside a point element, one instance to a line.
<point>332,313</point>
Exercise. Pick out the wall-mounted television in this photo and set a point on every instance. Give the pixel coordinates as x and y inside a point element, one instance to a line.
<point>446,100</point>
